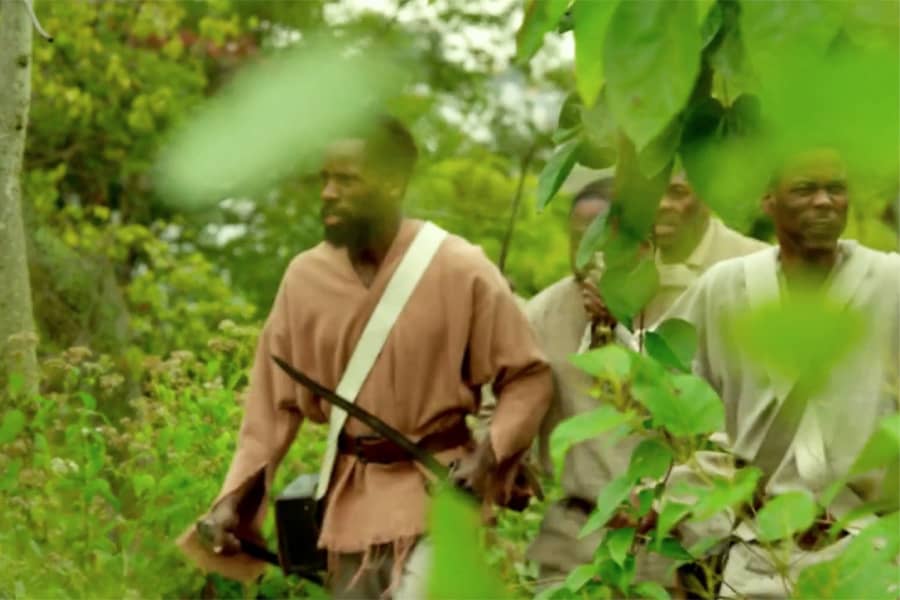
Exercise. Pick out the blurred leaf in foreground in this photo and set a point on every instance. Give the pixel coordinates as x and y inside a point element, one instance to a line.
<point>459,568</point>
<point>274,118</point>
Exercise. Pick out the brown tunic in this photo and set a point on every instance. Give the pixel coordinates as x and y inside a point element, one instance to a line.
<point>460,329</point>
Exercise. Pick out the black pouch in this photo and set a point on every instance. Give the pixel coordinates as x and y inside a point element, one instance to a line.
<point>298,520</point>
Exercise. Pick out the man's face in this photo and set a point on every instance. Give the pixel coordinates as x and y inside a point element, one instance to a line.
<point>354,197</point>
<point>583,214</point>
<point>678,208</point>
<point>809,203</point>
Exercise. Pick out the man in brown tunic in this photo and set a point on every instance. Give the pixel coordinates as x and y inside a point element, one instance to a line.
<point>460,329</point>
<point>688,240</point>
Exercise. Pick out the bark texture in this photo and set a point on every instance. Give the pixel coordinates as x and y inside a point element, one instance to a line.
<point>18,340</point>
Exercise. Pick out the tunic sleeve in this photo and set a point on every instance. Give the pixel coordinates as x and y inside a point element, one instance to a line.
<point>270,423</point>
<point>502,348</point>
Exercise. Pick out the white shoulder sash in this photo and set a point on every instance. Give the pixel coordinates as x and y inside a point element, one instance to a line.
<point>404,280</point>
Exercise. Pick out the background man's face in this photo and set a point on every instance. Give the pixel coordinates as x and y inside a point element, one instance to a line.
<point>679,206</point>
<point>353,197</point>
<point>583,214</point>
<point>809,203</point>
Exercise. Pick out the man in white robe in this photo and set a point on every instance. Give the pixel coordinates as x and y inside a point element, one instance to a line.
<point>808,203</point>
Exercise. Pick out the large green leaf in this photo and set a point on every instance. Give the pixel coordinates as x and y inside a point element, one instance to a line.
<point>555,172</point>
<point>660,152</point>
<point>540,17</point>
<point>12,426</point>
<point>651,59</point>
<point>866,569</point>
<point>580,428</point>
<point>673,343</point>
<point>626,289</point>
<point>608,501</point>
<point>607,361</point>
<point>579,576</point>
<point>670,515</point>
<point>651,459</point>
<point>274,118</point>
<point>683,404</point>
<point>651,590</point>
<point>591,20</point>
<point>592,240</point>
<point>618,542</point>
<point>454,532</point>
<point>785,515</point>
<point>800,337</point>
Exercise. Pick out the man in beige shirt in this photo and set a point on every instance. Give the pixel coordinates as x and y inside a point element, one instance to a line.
<point>688,241</point>
<point>460,329</point>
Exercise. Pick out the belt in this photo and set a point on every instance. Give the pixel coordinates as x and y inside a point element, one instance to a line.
<point>380,450</point>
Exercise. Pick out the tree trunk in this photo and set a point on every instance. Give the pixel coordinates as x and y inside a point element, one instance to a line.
<point>17,334</point>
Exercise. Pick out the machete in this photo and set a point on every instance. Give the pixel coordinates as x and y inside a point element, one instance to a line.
<point>426,459</point>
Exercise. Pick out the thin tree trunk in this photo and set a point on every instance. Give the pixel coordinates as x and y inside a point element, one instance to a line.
<point>17,334</point>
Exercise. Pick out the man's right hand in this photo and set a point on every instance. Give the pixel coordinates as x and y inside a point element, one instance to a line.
<point>217,528</point>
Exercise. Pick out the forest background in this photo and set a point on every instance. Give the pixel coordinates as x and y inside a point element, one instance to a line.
<point>146,310</point>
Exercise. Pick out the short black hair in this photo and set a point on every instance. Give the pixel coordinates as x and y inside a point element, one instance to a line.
<point>599,188</point>
<point>390,146</point>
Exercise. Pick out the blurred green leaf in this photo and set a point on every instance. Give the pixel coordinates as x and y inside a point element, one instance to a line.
<point>11,474</point>
<point>703,8</point>
<point>785,515</point>
<point>608,501</point>
<point>650,459</point>
<point>683,404</point>
<point>15,384</point>
<point>540,17</point>
<point>454,531</point>
<point>276,117</point>
<point>89,401</point>
<point>626,289</point>
<point>618,541</point>
<point>555,172</point>
<point>673,343</point>
<point>883,447</point>
<point>672,548</point>
<point>12,426</point>
<point>866,569</point>
<point>656,155</point>
<point>651,59</point>
<point>580,428</point>
<point>605,361</point>
<point>591,20</point>
<point>799,337</point>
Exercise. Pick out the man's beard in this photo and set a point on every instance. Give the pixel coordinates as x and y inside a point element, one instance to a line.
<point>349,233</point>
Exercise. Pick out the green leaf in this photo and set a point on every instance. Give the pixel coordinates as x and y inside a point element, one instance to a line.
<point>651,590</point>
<point>645,502</point>
<point>16,384</point>
<point>555,172</point>
<point>579,576</point>
<point>580,428</point>
<point>12,426</point>
<point>11,474</point>
<point>773,333</point>
<point>268,122</point>
<point>669,517</point>
<point>673,343</point>
<point>591,20</point>
<point>619,543</point>
<point>540,17</point>
<point>672,548</point>
<point>608,501</point>
<point>89,401</point>
<point>726,493</point>
<point>454,530</point>
<point>651,459</point>
<point>608,361</point>
<point>866,568</point>
<point>656,155</point>
<point>883,447</point>
<point>683,404</point>
<point>627,289</point>
<point>651,59</point>
<point>703,8</point>
<point>592,240</point>
<point>142,482</point>
<point>785,515</point>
